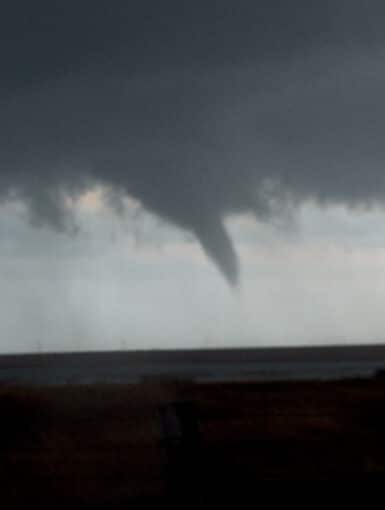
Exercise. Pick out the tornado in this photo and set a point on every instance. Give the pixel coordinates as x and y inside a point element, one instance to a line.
<point>218,246</point>
<point>193,111</point>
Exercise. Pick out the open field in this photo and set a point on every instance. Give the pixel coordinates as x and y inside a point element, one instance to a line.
<point>205,365</point>
<point>124,443</point>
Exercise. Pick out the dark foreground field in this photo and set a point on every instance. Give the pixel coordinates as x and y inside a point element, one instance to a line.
<point>124,443</point>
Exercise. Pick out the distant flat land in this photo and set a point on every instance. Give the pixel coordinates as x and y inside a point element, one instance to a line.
<point>291,363</point>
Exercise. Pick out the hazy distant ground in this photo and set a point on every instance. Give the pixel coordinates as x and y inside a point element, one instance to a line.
<point>199,365</point>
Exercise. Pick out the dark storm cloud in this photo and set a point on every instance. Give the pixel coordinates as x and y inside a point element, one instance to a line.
<point>47,38</point>
<point>198,109</point>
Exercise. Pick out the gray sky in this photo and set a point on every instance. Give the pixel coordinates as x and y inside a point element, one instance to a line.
<point>138,138</point>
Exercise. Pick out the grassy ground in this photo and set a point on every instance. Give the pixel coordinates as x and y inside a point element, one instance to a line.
<point>118,444</point>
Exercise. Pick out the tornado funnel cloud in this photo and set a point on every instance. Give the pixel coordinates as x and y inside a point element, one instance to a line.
<point>254,116</point>
<point>218,246</point>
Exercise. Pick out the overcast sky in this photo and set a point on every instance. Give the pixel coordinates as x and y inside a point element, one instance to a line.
<point>189,174</point>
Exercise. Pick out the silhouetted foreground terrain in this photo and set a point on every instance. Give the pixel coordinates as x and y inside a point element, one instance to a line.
<point>124,443</point>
